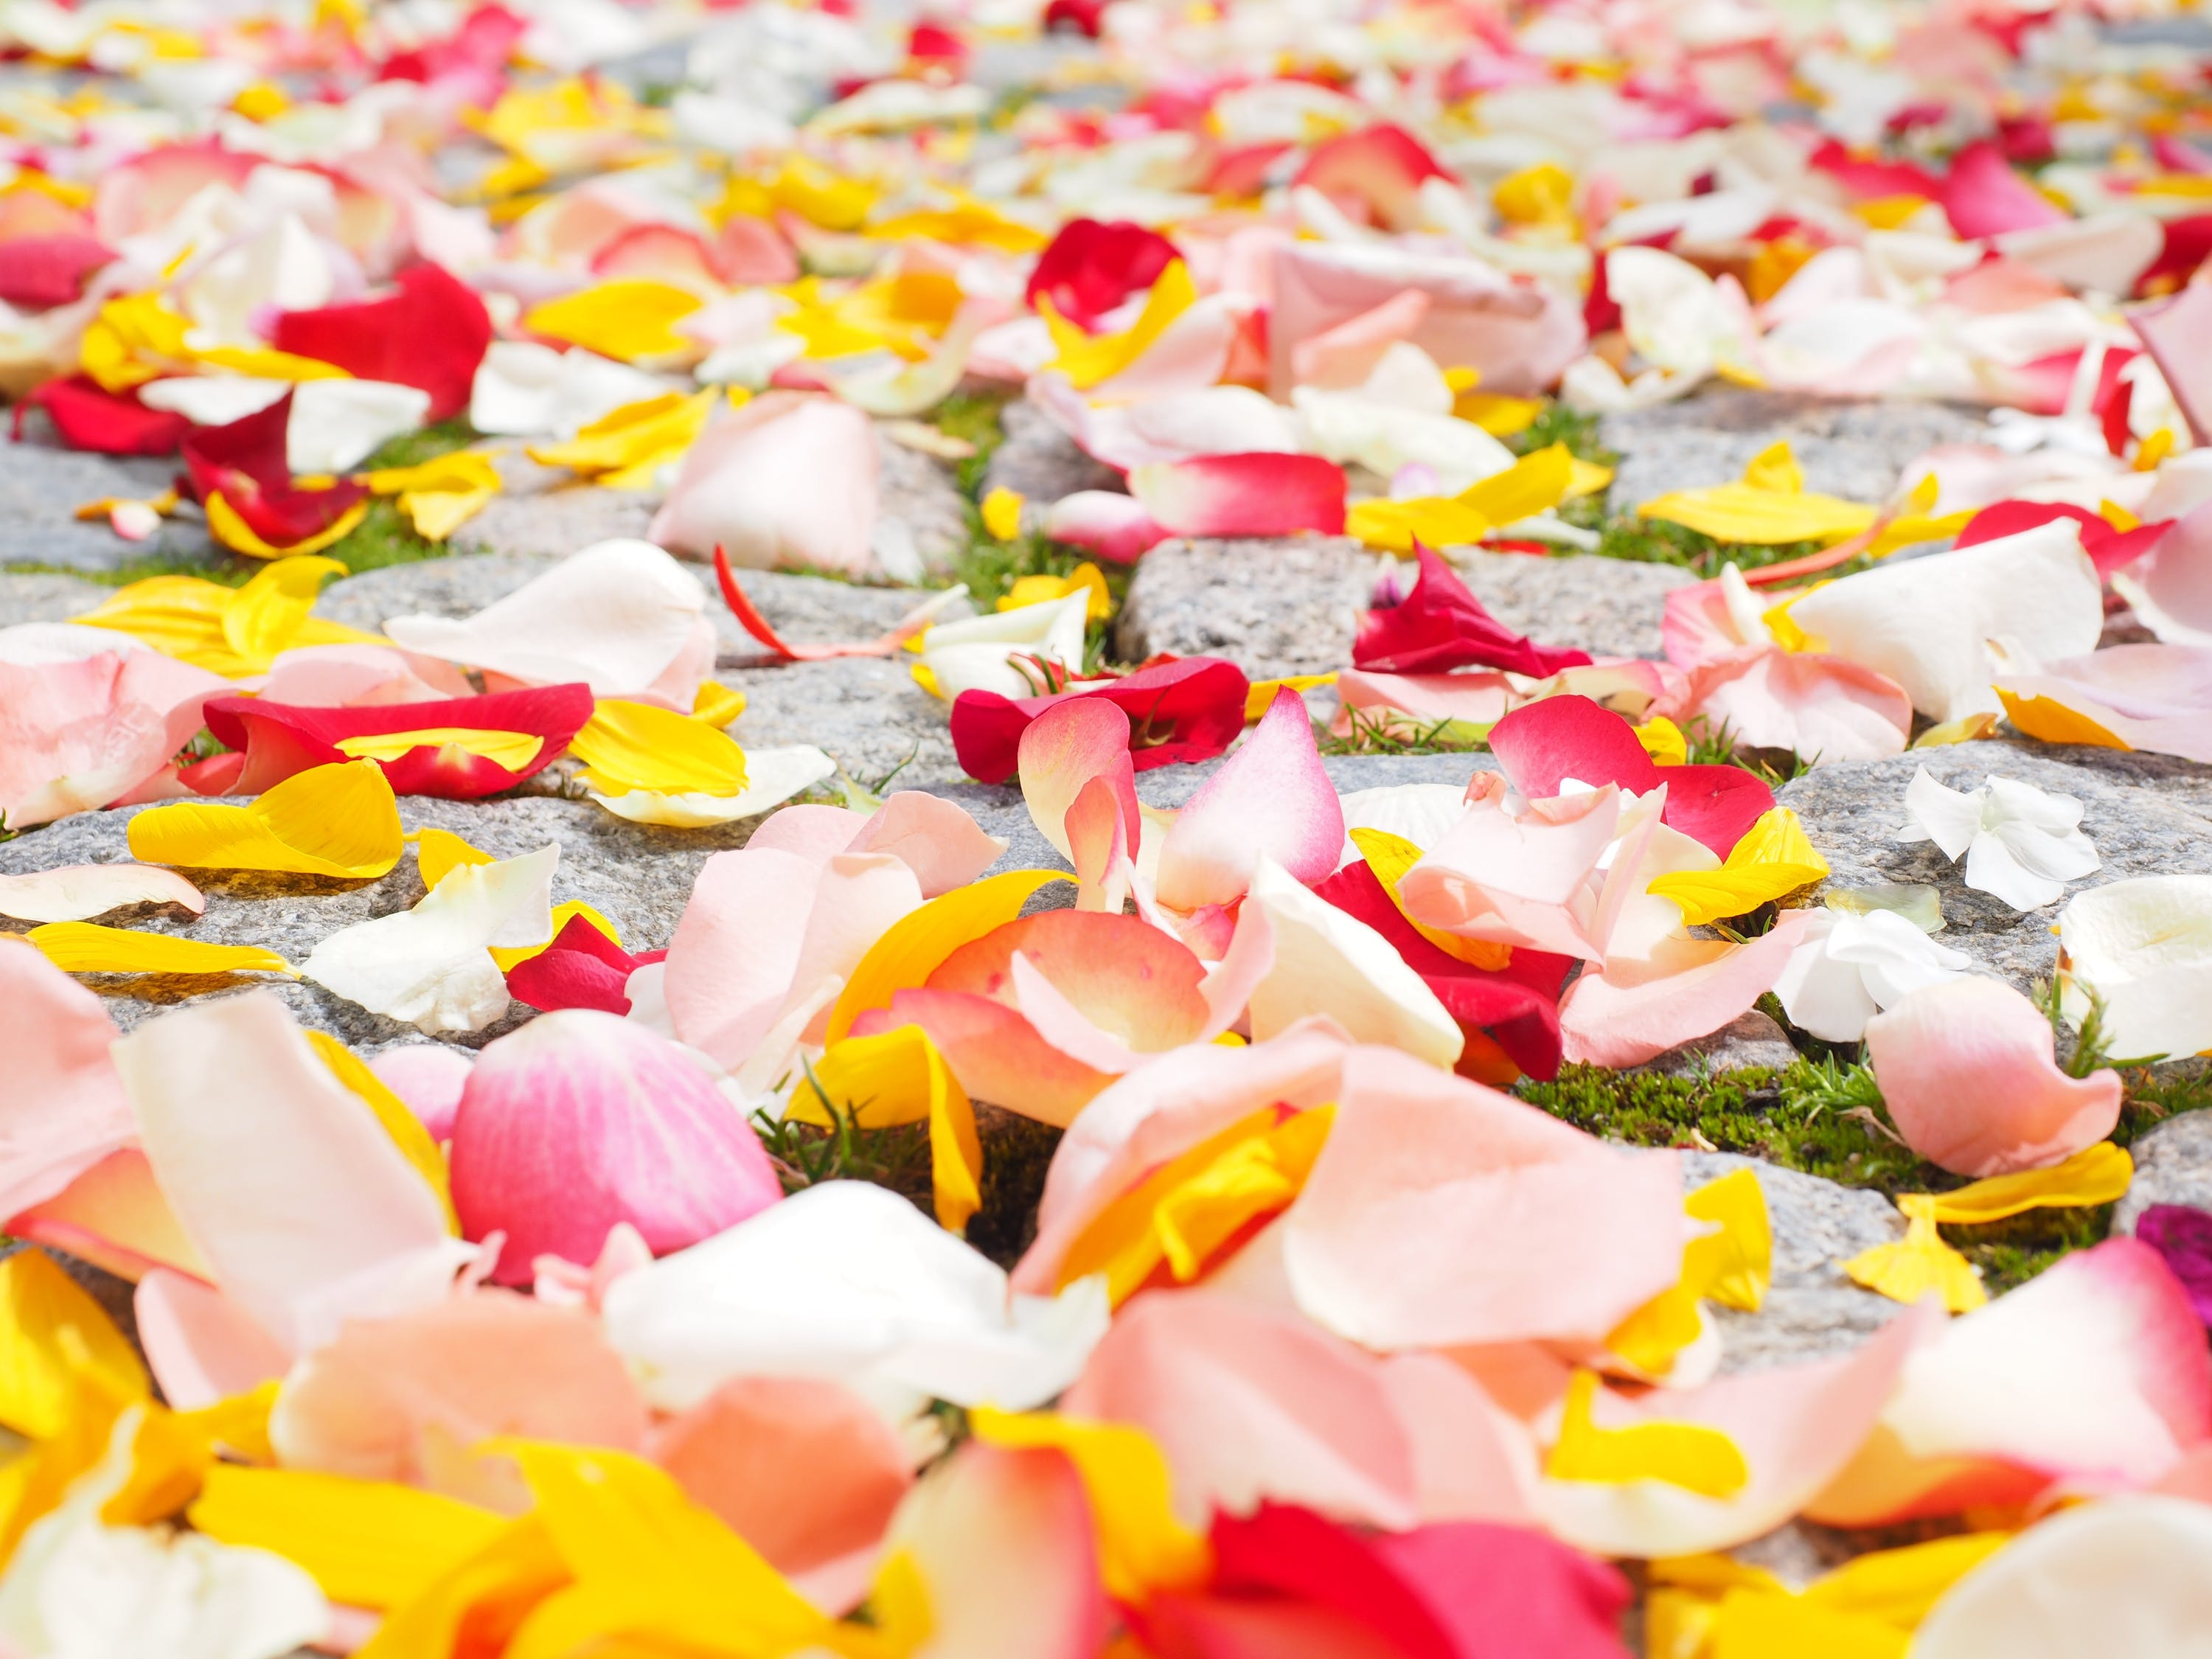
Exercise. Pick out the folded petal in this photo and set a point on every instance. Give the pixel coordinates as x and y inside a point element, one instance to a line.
<point>464,747</point>
<point>336,820</point>
<point>1440,625</point>
<point>1063,750</point>
<point>2157,697</point>
<point>1967,1070</point>
<point>1825,708</point>
<point>1624,1017</point>
<point>78,892</point>
<point>1190,709</point>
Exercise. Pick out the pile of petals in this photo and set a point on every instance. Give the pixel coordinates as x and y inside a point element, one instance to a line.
<point>1137,1249</point>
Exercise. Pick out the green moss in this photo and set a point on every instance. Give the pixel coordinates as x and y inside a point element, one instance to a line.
<point>424,444</point>
<point>218,567</point>
<point>1825,1118</point>
<point>1562,424</point>
<point>973,417</point>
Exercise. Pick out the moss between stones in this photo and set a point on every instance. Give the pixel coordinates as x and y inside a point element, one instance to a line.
<point>1826,1121</point>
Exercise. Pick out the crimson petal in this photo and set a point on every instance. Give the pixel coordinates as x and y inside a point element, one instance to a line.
<point>283,739</point>
<point>581,969</point>
<point>1518,1005</point>
<point>88,417</point>
<point>1189,708</point>
<point>244,461</point>
<point>1440,625</point>
<point>41,271</point>
<point>2108,549</point>
<point>1542,744</point>
<point>1091,267</point>
<point>431,334</point>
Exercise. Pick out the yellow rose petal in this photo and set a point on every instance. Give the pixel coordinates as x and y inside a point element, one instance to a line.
<point>235,533</point>
<point>1142,1547</point>
<point>1733,1265</point>
<point>625,319</point>
<point>338,820</point>
<point>368,1543</point>
<point>1762,518</point>
<point>899,1077</point>
<point>86,947</point>
<point>438,852</point>
<point>1087,359</point>
<point>508,748</point>
<point>717,704</point>
<point>442,494</point>
<point>1774,859</point>
<point>915,945</point>
<point>626,448</point>
<point>637,745</point>
<point>50,1329</point>
<point>405,1128</point>
<point>1663,741</point>
<point>1686,1454</point>
<point>1537,481</point>
<point>1002,513</point>
<point>1918,1263</point>
<point>2052,722</point>
<point>1085,578</point>
<point>1260,696</point>
<point>1972,728</point>
<point>2095,1175</point>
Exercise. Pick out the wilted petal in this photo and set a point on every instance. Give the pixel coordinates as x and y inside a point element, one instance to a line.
<point>1967,1072</point>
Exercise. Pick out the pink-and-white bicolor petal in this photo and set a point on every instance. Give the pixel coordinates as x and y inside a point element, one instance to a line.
<point>937,839</point>
<point>1256,495</point>
<point>1114,526</point>
<point>1967,1071</point>
<point>1272,796</point>
<point>1826,709</point>
<point>2157,697</point>
<point>2095,1373</point>
<point>2171,586</point>
<point>1520,881</point>
<point>1637,1009</point>
<point>64,1108</point>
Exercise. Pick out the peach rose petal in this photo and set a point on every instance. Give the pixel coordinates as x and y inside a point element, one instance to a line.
<point>1442,1214</point>
<point>2094,1373</point>
<point>1966,1069</point>
<point>1065,749</point>
<point>63,1109</point>
<point>200,1344</point>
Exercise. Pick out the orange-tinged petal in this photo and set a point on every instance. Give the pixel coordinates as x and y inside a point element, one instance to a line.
<point>86,947</point>
<point>1688,1455</point>
<point>635,745</point>
<point>1142,1547</point>
<point>368,1543</point>
<point>915,946</point>
<point>339,820</point>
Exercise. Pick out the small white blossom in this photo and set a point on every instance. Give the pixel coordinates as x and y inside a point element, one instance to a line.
<point>2022,844</point>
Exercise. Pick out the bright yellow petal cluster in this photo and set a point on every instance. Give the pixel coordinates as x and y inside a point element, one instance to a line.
<point>1181,1213</point>
<point>637,745</point>
<point>627,447</point>
<point>1712,1607</point>
<point>440,494</point>
<point>231,631</point>
<point>1732,1264</point>
<point>629,320</point>
<point>1085,578</point>
<point>1774,859</point>
<point>899,1077</point>
<point>1768,507</point>
<point>339,820</point>
<point>1530,485</point>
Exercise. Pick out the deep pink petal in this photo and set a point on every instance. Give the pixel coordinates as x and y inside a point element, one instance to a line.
<point>1440,625</point>
<point>1257,494</point>
<point>582,1120</point>
<point>1982,196</point>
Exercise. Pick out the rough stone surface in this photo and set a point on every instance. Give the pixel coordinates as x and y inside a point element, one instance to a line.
<point>41,487</point>
<point>921,491</point>
<point>638,877</point>
<point>2147,815</point>
<point>1293,606</point>
<point>1812,1310</point>
<point>1854,450</point>
<point>1753,1040</point>
<point>46,599</point>
<point>803,610</point>
<point>866,713</point>
<point>1040,461</point>
<point>546,510</point>
<point>2174,1165</point>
